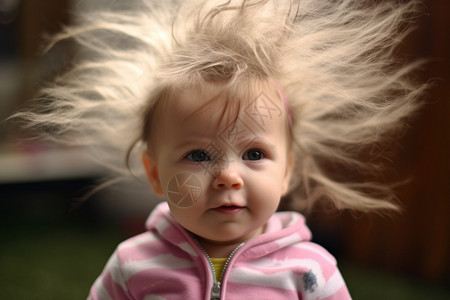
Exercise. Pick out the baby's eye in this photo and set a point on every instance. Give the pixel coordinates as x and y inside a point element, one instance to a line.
<point>198,156</point>
<point>253,154</point>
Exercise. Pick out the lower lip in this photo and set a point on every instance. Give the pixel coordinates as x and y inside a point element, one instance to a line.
<point>228,210</point>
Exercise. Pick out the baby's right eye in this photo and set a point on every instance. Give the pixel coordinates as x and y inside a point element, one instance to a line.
<point>198,156</point>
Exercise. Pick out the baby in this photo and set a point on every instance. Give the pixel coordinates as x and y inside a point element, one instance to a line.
<point>236,105</point>
<point>221,154</point>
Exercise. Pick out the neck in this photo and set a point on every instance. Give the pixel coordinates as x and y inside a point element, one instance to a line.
<point>218,249</point>
<point>215,250</point>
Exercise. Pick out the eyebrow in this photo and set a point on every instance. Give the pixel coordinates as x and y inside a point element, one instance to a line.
<point>262,143</point>
<point>191,141</point>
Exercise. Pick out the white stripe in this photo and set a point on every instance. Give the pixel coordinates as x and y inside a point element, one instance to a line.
<point>256,277</point>
<point>100,290</point>
<point>162,225</point>
<point>294,219</point>
<point>288,240</point>
<point>318,250</point>
<point>166,261</point>
<point>137,241</point>
<point>284,279</point>
<point>333,285</point>
<point>113,266</point>
<point>188,248</point>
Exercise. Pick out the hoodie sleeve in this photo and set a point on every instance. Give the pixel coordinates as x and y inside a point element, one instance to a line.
<point>111,283</point>
<point>335,288</point>
<point>321,278</point>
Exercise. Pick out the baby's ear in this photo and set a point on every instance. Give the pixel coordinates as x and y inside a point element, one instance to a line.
<point>152,173</point>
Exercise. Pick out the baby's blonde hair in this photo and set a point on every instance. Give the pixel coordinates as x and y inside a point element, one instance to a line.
<point>332,59</point>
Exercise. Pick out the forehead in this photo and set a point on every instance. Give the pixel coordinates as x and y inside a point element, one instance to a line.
<point>209,112</point>
<point>223,104</point>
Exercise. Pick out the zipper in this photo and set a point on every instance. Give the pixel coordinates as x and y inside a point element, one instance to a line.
<point>217,285</point>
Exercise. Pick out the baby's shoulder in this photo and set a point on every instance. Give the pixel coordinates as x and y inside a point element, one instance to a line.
<point>141,243</point>
<point>311,251</point>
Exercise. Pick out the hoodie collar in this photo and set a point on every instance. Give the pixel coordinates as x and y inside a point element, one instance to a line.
<point>282,229</point>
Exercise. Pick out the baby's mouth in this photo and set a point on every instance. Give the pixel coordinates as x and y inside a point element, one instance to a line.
<point>229,209</point>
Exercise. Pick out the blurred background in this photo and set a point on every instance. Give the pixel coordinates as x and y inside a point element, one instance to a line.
<point>53,243</point>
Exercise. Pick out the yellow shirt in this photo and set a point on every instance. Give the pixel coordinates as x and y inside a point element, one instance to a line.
<point>218,264</point>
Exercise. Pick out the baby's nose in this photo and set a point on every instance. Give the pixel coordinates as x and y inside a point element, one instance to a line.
<point>228,179</point>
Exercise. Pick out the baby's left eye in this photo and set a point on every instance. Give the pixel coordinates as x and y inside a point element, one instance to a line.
<point>253,154</point>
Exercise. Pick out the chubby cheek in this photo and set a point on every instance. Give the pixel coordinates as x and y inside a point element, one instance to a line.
<point>266,194</point>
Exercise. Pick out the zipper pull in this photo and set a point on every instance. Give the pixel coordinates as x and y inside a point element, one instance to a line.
<point>215,291</point>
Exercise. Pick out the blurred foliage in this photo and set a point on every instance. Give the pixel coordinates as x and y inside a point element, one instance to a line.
<point>370,284</point>
<point>53,263</point>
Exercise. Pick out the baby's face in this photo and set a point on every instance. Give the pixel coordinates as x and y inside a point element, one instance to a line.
<point>222,176</point>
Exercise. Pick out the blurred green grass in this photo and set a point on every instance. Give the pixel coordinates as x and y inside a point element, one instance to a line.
<point>52,264</point>
<point>370,284</point>
<point>62,263</point>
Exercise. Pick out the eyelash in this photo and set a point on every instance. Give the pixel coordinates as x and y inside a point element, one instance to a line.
<point>201,155</point>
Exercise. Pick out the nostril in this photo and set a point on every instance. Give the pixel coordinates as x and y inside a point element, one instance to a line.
<point>228,180</point>
<point>237,184</point>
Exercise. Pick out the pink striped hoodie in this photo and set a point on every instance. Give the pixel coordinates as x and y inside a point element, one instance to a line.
<point>166,263</point>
